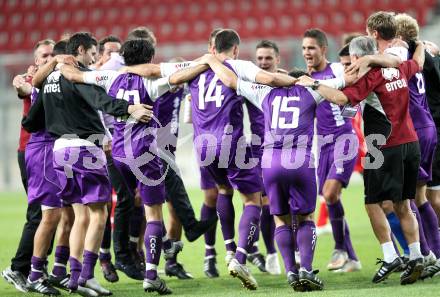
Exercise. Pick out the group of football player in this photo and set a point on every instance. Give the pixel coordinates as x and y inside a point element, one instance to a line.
<point>102,116</point>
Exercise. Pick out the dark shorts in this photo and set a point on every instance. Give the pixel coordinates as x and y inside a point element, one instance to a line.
<point>333,164</point>
<point>428,143</point>
<point>396,179</point>
<point>82,174</point>
<point>227,171</point>
<point>149,179</point>
<point>290,189</point>
<point>206,180</point>
<point>43,185</point>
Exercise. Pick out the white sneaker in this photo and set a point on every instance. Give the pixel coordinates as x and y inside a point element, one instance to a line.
<point>338,260</point>
<point>272,264</point>
<point>229,256</point>
<point>326,229</point>
<point>350,266</point>
<point>95,286</point>
<point>430,259</point>
<point>242,272</point>
<point>86,292</point>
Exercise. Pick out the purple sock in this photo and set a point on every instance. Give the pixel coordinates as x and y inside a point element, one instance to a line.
<point>424,247</point>
<point>205,214</point>
<point>166,242</point>
<point>75,271</point>
<point>247,230</point>
<point>136,220</point>
<point>267,226</point>
<point>153,245</point>
<point>430,226</point>
<point>37,265</point>
<point>306,243</point>
<point>348,245</point>
<point>88,269</point>
<point>336,215</point>
<point>285,241</point>
<point>61,257</point>
<point>254,248</point>
<point>226,215</point>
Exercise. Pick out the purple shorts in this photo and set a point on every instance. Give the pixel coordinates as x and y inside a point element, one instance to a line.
<point>206,180</point>
<point>82,174</point>
<point>148,178</point>
<point>290,189</point>
<point>43,186</point>
<point>333,164</point>
<point>428,142</point>
<point>226,172</point>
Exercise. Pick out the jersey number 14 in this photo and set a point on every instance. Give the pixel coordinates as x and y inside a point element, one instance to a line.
<point>212,94</point>
<point>280,104</point>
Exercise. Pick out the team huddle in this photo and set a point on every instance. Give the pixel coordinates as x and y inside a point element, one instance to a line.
<point>102,116</point>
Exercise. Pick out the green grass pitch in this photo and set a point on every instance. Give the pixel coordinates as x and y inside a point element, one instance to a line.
<point>12,214</point>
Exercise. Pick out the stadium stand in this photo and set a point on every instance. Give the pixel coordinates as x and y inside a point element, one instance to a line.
<point>22,23</point>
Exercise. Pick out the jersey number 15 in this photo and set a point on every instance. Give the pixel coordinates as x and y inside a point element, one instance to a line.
<point>280,104</point>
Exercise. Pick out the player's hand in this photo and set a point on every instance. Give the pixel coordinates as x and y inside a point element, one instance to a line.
<point>108,148</point>
<point>19,81</point>
<point>359,67</point>
<point>206,58</point>
<point>141,112</point>
<point>66,59</point>
<point>305,81</point>
<point>32,69</point>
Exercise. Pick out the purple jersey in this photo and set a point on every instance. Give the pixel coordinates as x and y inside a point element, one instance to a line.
<point>167,110</point>
<point>135,138</point>
<point>43,135</point>
<point>289,113</point>
<point>418,105</point>
<point>329,118</point>
<point>214,108</point>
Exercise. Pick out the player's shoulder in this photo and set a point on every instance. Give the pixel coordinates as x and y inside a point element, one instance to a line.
<point>337,69</point>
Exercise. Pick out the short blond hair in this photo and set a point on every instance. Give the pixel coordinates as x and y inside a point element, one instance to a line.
<point>407,27</point>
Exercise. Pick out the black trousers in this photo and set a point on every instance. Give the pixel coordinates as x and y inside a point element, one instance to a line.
<point>178,197</point>
<point>123,210</point>
<point>22,260</point>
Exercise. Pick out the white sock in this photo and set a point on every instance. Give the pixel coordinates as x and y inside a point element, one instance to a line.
<point>389,253</point>
<point>414,250</point>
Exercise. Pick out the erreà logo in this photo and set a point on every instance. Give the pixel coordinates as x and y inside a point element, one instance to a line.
<point>390,73</point>
<point>101,78</point>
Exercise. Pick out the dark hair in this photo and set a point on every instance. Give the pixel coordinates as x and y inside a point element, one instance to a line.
<point>60,48</point>
<point>76,40</point>
<point>345,50</point>
<point>225,40</point>
<point>103,41</point>
<point>348,37</point>
<point>214,34</point>
<point>142,33</point>
<point>137,51</point>
<point>296,72</point>
<point>318,35</point>
<point>268,44</point>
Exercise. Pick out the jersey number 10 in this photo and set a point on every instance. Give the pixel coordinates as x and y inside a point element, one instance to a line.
<point>213,93</point>
<point>127,95</point>
<point>280,104</point>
